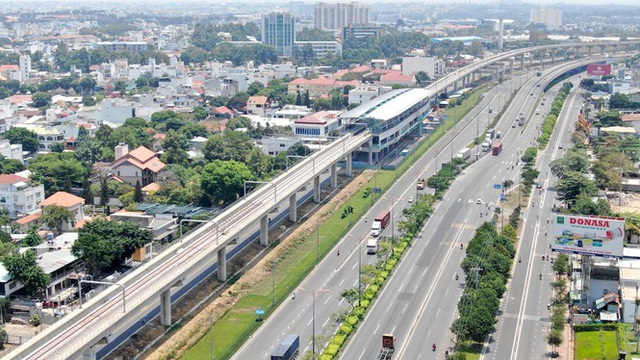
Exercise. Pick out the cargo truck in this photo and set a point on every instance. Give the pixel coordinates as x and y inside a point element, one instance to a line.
<point>288,348</point>
<point>464,154</point>
<point>388,347</point>
<point>491,134</point>
<point>421,184</point>
<point>380,222</point>
<point>497,147</point>
<point>372,245</point>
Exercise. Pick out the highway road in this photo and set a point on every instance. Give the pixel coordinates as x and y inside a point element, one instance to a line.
<point>525,314</point>
<point>419,303</point>
<point>336,273</point>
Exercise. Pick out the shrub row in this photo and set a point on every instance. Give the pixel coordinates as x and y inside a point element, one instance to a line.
<point>595,327</point>
<point>384,269</point>
<point>551,119</point>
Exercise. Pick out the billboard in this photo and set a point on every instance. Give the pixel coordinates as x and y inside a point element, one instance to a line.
<point>599,69</point>
<point>589,235</point>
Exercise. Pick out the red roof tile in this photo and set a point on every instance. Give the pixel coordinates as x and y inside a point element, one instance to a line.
<point>12,179</point>
<point>62,198</point>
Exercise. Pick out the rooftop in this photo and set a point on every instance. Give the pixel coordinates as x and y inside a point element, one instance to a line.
<point>388,105</point>
<point>62,198</point>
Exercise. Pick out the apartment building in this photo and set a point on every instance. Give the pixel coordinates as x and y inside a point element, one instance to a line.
<point>18,196</point>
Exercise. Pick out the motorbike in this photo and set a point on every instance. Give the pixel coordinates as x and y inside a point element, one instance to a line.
<point>433,347</point>
<point>519,260</point>
<point>456,276</point>
<point>540,276</point>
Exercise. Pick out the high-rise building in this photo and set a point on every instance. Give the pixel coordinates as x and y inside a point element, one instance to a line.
<point>25,67</point>
<point>551,18</point>
<point>334,17</point>
<point>279,30</point>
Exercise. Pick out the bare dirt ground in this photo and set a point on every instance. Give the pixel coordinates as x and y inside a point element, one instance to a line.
<point>173,342</point>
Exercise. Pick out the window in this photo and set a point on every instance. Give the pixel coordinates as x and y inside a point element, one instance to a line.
<point>282,145</point>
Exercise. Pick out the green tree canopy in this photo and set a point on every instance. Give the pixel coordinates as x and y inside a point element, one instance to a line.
<point>18,135</point>
<point>55,217</point>
<point>224,180</point>
<point>105,244</point>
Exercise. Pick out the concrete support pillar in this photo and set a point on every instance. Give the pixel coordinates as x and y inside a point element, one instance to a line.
<point>553,57</point>
<point>334,176</point>
<point>370,151</point>
<point>293,209</point>
<point>511,65</point>
<point>264,231</point>
<point>496,74</point>
<point>348,160</point>
<point>316,188</point>
<point>222,264</point>
<point>521,62</point>
<point>165,307</point>
<point>530,60</point>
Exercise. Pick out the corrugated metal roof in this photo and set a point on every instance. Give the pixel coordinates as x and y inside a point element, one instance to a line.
<point>399,104</point>
<point>372,104</point>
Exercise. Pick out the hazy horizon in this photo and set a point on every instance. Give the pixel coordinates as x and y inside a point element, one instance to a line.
<point>235,3</point>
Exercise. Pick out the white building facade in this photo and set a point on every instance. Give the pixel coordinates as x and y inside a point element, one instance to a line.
<point>19,197</point>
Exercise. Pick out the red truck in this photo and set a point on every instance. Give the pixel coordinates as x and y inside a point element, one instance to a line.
<point>497,147</point>
<point>380,222</point>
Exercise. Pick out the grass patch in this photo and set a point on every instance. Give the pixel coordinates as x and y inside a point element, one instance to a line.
<point>298,260</point>
<point>471,352</point>
<point>592,345</point>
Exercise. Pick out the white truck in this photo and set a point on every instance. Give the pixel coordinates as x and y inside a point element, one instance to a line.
<point>372,245</point>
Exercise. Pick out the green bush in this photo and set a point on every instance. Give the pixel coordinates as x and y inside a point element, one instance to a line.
<point>352,320</point>
<point>339,340</point>
<point>384,274</point>
<point>379,281</point>
<point>392,262</point>
<point>326,357</point>
<point>369,295</point>
<point>373,288</point>
<point>388,267</point>
<point>345,329</point>
<point>358,311</point>
<point>365,303</point>
<point>332,350</point>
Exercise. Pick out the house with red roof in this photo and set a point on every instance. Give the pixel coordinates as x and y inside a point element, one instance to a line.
<point>18,196</point>
<point>140,165</point>
<point>397,78</point>
<point>257,105</point>
<point>73,203</point>
<point>318,124</point>
<point>222,112</point>
<point>318,86</point>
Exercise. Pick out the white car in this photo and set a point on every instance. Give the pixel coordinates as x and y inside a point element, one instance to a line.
<point>410,199</point>
<point>479,201</point>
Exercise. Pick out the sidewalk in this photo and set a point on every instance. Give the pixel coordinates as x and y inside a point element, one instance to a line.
<point>565,350</point>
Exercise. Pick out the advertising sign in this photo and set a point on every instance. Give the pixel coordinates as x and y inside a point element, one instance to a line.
<point>599,69</point>
<point>599,236</point>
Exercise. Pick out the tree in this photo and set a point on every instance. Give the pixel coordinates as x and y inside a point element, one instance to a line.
<point>105,244</point>
<point>238,101</point>
<point>351,296</point>
<point>57,147</point>
<point>3,332</point>
<point>224,181</point>
<point>120,86</point>
<point>24,268</point>
<point>88,100</point>
<point>572,185</point>
<point>32,238</point>
<point>41,99</point>
<point>254,88</point>
<point>476,49</point>
<point>138,197</point>
<point>299,149</point>
<point>54,170</point>
<point>55,217</point>
<point>422,78</point>
<point>175,146</point>
<point>18,135</point>
<point>104,192</point>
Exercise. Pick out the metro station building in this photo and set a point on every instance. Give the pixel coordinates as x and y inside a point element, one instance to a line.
<point>392,118</point>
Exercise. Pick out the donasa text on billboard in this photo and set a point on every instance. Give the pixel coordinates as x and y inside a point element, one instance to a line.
<point>599,69</point>
<point>600,236</point>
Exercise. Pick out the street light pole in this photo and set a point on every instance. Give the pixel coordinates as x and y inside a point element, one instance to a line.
<point>313,319</point>
<point>273,282</point>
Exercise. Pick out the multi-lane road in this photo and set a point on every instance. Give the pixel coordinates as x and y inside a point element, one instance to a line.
<point>336,273</point>
<point>524,324</point>
<point>419,302</point>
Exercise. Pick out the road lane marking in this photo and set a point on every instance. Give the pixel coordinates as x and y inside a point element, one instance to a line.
<point>376,330</point>
<point>327,299</point>
<point>423,307</point>
<point>405,308</point>
<point>341,282</point>
<point>325,322</point>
